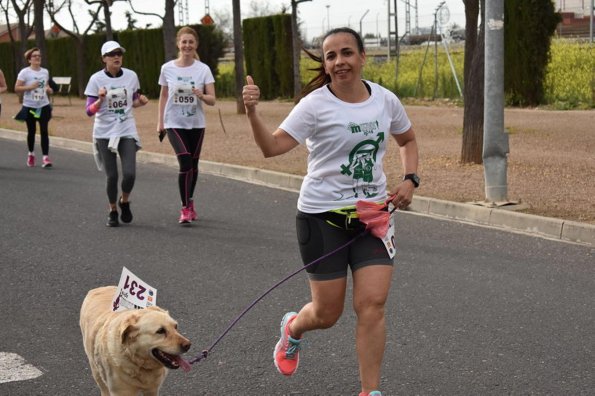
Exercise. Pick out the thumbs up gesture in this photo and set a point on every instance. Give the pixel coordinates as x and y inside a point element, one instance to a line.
<point>250,94</point>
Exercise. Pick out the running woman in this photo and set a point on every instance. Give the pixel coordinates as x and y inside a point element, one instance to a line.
<point>33,83</point>
<point>111,95</point>
<point>345,123</point>
<point>186,83</point>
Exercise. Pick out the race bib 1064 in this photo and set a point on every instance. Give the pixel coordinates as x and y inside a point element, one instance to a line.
<point>133,293</point>
<point>117,99</point>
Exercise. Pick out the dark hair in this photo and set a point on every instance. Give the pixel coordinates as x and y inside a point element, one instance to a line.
<point>321,79</point>
<point>30,52</point>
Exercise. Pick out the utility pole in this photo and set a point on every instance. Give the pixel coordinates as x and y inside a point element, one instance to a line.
<point>297,85</point>
<point>495,140</point>
<point>360,23</point>
<point>393,35</point>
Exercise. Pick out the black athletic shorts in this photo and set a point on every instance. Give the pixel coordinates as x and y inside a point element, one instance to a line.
<point>321,233</point>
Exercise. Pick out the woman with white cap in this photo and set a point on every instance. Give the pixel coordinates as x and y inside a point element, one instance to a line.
<point>111,95</point>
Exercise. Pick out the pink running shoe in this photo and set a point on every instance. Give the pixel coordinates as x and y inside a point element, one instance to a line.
<point>185,216</point>
<point>192,211</point>
<point>31,160</point>
<point>286,355</point>
<point>46,163</point>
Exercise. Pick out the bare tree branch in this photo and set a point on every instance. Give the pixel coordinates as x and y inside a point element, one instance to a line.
<point>146,13</point>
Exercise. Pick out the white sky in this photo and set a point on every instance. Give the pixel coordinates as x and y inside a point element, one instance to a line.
<point>314,14</point>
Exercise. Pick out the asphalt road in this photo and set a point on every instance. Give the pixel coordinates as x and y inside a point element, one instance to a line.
<point>472,310</point>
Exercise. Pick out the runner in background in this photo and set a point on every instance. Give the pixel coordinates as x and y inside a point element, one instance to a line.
<point>186,83</point>
<point>33,83</point>
<point>112,93</point>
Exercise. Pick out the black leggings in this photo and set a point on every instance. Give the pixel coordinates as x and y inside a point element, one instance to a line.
<point>44,119</point>
<point>187,143</point>
<point>127,151</point>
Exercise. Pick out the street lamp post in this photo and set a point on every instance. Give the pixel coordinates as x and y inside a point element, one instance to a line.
<point>328,19</point>
<point>360,22</point>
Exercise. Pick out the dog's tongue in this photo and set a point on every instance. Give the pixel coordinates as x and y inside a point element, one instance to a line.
<point>183,364</point>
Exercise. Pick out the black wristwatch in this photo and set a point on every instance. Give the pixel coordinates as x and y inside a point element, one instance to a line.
<point>413,177</point>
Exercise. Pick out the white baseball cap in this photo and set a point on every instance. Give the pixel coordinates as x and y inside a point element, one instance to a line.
<point>109,46</point>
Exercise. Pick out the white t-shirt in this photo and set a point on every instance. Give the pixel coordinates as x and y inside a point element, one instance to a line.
<point>37,97</point>
<point>346,144</point>
<point>183,109</point>
<point>114,117</point>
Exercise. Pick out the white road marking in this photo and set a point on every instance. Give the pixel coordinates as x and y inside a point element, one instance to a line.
<point>14,368</point>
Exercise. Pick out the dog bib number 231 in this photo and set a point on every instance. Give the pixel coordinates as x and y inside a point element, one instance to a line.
<point>133,293</point>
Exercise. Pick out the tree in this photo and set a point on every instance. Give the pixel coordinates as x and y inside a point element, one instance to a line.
<point>528,29</point>
<point>168,27</point>
<point>107,19</point>
<point>239,55</point>
<point>130,21</point>
<point>258,8</point>
<point>23,11</point>
<point>224,22</point>
<point>38,8</point>
<point>76,34</point>
<point>471,150</point>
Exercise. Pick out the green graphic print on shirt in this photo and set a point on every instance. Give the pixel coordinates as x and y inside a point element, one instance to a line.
<point>362,160</point>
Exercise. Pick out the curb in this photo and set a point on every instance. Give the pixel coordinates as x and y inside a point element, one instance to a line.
<point>559,229</point>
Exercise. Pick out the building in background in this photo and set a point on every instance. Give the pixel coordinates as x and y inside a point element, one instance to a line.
<point>575,18</point>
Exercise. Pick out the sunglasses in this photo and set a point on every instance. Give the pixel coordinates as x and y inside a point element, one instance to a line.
<point>114,53</point>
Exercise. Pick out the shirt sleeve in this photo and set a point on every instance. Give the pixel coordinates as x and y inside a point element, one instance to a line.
<point>162,78</point>
<point>92,89</point>
<point>400,122</point>
<point>22,75</point>
<point>301,121</point>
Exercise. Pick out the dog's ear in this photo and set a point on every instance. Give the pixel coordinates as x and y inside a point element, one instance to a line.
<point>128,329</point>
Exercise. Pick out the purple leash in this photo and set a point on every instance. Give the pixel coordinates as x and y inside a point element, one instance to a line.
<point>206,352</point>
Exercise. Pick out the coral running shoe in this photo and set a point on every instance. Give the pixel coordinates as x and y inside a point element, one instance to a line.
<point>192,211</point>
<point>287,350</point>
<point>185,215</point>
<point>373,393</point>
<point>31,160</point>
<point>46,163</point>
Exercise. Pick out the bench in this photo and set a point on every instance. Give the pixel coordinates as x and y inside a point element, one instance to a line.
<point>63,86</point>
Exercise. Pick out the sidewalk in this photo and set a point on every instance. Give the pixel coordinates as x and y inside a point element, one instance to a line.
<point>558,229</point>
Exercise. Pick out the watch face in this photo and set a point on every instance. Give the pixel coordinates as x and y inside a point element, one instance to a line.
<point>414,178</point>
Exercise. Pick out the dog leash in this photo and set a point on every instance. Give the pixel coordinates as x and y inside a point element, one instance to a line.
<point>205,353</point>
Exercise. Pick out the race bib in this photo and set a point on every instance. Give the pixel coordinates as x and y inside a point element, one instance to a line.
<point>133,293</point>
<point>183,95</point>
<point>37,95</point>
<point>117,100</point>
<point>389,238</point>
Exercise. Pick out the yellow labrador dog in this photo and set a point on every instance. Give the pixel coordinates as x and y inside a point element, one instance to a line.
<point>129,351</point>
